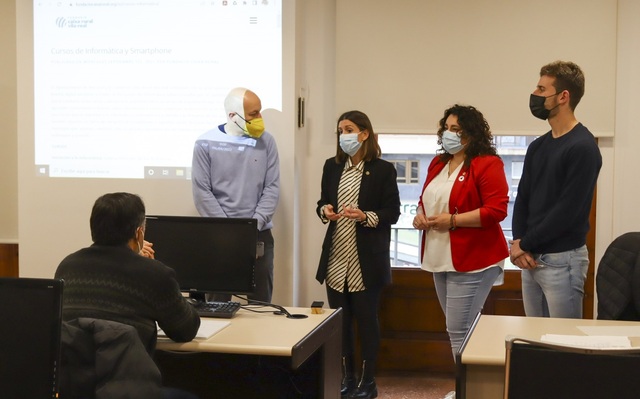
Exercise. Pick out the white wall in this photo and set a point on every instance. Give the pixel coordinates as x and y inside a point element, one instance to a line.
<point>282,126</point>
<point>404,62</point>
<point>316,141</point>
<point>618,188</point>
<point>8,125</point>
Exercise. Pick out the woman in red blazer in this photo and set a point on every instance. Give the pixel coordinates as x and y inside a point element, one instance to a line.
<point>463,201</point>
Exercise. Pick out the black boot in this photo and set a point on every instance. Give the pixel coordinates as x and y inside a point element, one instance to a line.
<point>348,377</point>
<point>367,386</point>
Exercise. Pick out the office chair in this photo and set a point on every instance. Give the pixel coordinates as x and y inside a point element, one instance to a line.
<point>31,317</point>
<point>535,370</point>
<point>618,279</point>
<point>104,359</point>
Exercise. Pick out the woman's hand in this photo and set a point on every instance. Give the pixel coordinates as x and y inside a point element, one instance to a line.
<point>420,222</point>
<point>330,214</point>
<point>353,213</point>
<point>441,222</point>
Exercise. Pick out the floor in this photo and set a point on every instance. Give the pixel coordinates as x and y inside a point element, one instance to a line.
<point>414,385</point>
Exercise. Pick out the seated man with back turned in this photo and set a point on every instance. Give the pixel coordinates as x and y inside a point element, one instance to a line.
<point>110,280</point>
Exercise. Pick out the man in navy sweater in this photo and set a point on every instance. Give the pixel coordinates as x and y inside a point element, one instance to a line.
<point>551,212</point>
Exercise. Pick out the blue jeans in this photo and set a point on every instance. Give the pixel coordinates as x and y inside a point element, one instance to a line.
<point>556,287</point>
<point>462,296</point>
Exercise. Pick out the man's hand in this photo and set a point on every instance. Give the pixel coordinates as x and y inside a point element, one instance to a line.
<point>147,250</point>
<point>521,258</point>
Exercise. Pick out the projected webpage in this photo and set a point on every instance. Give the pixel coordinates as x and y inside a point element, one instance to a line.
<point>123,88</point>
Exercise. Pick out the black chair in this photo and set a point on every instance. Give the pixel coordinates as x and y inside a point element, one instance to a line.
<point>105,359</point>
<point>31,317</point>
<point>618,279</point>
<point>535,370</point>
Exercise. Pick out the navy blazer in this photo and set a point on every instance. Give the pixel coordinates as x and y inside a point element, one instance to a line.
<point>378,193</point>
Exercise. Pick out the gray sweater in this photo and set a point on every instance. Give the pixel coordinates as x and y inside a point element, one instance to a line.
<point>236,177</point>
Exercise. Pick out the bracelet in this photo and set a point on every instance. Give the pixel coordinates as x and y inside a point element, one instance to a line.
<point>452,222</point>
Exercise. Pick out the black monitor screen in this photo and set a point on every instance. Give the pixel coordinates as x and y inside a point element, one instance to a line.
<point>31,314</point>
<point>208,254</point>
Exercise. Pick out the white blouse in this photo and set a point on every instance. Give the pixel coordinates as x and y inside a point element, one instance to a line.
<point>437,245</point>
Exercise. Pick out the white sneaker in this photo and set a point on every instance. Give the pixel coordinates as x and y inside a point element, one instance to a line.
<point>450,395</point>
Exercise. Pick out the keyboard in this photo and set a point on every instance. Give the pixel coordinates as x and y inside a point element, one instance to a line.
<point>223,310</point>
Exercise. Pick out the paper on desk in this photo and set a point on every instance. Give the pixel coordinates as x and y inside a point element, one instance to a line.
<point>208,327</point>
<point>588,341</point>
<point>625,331</point>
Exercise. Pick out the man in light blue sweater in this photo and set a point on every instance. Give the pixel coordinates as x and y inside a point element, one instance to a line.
<point>236,174</point>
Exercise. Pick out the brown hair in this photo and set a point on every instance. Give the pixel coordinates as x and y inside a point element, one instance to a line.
<point>568,76</point>
<point>371,148</point>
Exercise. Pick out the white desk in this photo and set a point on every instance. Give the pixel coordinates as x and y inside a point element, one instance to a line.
<point>267,337</point>
<point>481,370</point>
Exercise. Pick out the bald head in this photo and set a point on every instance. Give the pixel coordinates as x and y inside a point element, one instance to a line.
<point>241,105</point>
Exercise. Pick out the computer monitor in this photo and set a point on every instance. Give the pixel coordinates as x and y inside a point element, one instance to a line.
<point>209,255</point>
<point>31,314</point>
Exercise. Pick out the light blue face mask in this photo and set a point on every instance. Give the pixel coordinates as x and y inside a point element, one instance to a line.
<point>349,143</point>
<point>451,142</point>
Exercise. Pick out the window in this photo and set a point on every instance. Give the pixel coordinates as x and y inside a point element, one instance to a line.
<point>407,171</point>
<point>411,154</point>
<point>506,142</point>
<point>516,169</point>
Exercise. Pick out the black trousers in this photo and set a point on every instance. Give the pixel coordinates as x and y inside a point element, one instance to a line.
<point>362,308</point>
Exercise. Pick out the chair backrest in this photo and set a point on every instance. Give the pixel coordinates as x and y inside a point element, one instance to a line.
<point>104,359</point>
<point>535,369</point>
<point>30,323</point>
<point>618,279</point>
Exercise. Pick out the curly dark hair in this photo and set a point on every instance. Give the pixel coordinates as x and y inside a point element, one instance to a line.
<point>475,130</point>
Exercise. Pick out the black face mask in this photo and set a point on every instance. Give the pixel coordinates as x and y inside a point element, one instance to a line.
<point>536,105</point>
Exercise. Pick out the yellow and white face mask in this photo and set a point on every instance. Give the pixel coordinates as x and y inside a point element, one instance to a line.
<point>254,127</point>
<point>234,105</point>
